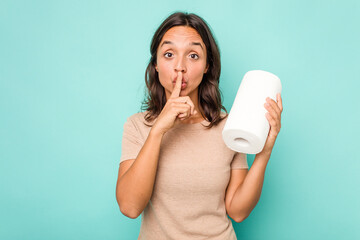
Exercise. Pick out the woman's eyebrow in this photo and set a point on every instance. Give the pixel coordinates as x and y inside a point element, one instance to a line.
<point>192,43</point>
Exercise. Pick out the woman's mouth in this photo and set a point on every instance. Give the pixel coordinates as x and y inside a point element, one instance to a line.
<point>183,85</point>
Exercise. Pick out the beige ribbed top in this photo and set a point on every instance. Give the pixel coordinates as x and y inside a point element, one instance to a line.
<point>188,200</point>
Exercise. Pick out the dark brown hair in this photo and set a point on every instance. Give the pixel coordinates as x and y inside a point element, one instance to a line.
<point>210,104</point>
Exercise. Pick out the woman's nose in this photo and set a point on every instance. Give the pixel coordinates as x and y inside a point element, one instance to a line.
<point>180,65</point>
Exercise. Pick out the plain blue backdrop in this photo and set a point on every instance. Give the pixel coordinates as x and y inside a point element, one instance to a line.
<point>71,72</point>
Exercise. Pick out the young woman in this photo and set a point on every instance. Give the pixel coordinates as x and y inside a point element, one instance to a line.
<point>175,168</point>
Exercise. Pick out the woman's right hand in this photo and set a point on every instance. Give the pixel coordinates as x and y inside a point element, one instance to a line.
<point>176,109</point>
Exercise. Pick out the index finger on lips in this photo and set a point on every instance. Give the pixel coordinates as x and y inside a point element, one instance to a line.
<point>177,88</point>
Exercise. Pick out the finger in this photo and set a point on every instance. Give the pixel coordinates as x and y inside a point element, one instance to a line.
<point>187,100</point>
<point>273,122</point>
<point>271,111</point>
<point>185,111</point>
<point>274,126</point>
<point>192,106</point>
<point>273,105</point>
<point>279,102</point>
<point>183,116</point>
<point>177,88</point>
<point>180,108</point>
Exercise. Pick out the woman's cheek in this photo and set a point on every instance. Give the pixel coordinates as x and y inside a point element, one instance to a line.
<point>197,73</point>
<point>165,80</point>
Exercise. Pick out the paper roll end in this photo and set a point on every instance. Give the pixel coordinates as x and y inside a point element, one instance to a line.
<point>248,143</point>
<point>242,142</point>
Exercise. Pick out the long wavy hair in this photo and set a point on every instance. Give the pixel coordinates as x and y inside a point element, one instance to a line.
<point>209,97</point>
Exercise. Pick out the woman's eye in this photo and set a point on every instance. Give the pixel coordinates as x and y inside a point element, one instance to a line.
<point>194,56</point>
<point>167,54</point>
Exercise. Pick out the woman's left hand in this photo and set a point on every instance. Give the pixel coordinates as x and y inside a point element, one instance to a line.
<point>274,117</point>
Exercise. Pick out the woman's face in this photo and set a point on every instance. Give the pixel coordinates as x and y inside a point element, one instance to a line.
<point>181,49</point>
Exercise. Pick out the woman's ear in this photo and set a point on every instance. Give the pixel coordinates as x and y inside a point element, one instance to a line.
<point>207,67</point>
<point>156,67</point>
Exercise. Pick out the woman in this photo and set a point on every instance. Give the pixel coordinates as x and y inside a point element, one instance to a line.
<point>175,168</point>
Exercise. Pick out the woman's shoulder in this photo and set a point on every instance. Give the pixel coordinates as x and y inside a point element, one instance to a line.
<point>139,119</point>
<point>136,117</point>
<point>223,114</point>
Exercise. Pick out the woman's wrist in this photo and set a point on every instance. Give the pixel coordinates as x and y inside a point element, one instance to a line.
<point>156,133</point>
<point>263,155</point>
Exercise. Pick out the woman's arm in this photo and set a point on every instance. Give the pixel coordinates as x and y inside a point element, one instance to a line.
<point>135,187</point>
<point>248,192</point>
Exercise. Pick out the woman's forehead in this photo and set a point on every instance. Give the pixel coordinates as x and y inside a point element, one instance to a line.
<point>180,35</point>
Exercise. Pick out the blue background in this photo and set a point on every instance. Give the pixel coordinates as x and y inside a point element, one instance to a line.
<point>71,72</point>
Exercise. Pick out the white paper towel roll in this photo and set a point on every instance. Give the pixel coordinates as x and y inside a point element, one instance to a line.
<point>247,128</point>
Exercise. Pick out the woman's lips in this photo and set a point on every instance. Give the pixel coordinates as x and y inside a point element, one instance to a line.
<point>183,84</point>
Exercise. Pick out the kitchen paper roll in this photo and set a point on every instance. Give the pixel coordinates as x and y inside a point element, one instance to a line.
<point>247,127</point>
